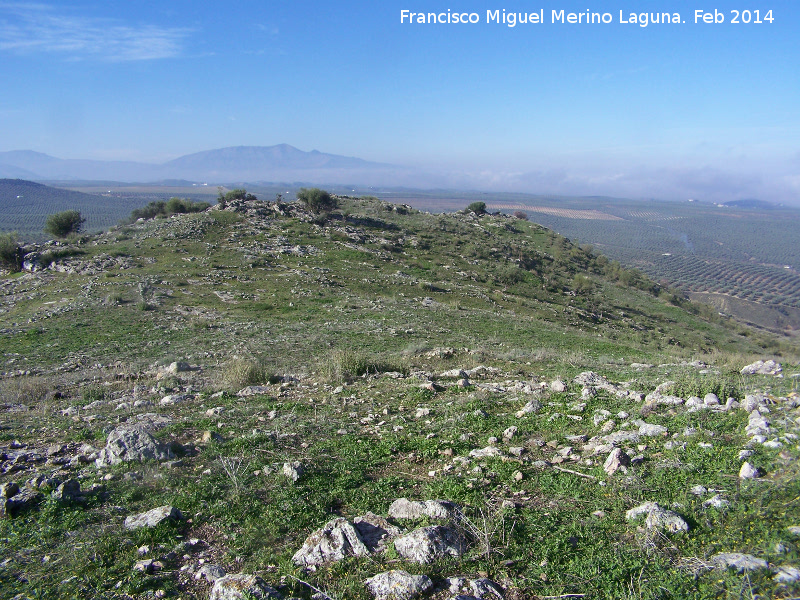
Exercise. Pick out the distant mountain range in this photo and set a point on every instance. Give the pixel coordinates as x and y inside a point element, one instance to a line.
<point>225,165</point>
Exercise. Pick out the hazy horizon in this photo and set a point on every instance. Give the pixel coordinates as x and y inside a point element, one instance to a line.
<point>670,110</point>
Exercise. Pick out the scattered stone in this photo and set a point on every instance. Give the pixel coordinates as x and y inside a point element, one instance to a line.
<point>658,517</point>
<point>69,491</point>
<point>748,471</point>
<point>335,541</point>
<point>178,367</point>
<point>533,406</point>
<point>398,585</point>
<point>426,544</point>
<point>762,367</point>
<point>403,508</point>
<point>510,432</point>
<point>608,426</point>
<point>254,390</point>
<point>454,374</point>
<point>717,502</point>
<point>211,436</point>
<point>241,586</point>
<point>787,574</point>
<point>793,529</point>
<point>293,470</point>
<point>145,566</point>
<point>738,561</point>
<point>14,500</point>
<point>558,386</point>
<point>153,517</point>
<point>485,452</point>
<point>485,589</point>
<point>131,443</point>
<point>617,460</point>
<point>648,430</point>
<point>210,572</point>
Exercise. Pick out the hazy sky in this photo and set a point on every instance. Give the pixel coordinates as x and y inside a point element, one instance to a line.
<point>664,110</point>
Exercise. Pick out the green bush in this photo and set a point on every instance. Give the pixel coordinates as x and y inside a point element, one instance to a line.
<point>237,194</point>
<point>10,252</point>
<point>64,223</point>
<point>174,206</point>
<point>479,208</point>
<point>316,200</point>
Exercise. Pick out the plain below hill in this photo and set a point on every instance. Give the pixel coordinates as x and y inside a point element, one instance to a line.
<point>25,206</point>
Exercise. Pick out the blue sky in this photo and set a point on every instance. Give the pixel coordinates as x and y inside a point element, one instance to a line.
<point>665,110</point>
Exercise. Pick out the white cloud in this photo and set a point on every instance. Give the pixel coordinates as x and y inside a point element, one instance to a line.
<point>28,28</point>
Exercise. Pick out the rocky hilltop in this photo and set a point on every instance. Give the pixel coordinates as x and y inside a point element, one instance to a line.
<point>263,401</point>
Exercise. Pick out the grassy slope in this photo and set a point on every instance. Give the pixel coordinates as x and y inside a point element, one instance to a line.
<point>287,295</point>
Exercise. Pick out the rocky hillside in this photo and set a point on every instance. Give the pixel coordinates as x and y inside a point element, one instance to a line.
<point>257,401</point>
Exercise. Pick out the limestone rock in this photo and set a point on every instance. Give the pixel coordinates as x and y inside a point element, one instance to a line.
<point>486,589</point>
<point>748,471</point>
<point>649,430</point>
<point>533,406</point>
<point>178,367</point>
<point>716,501</point>
<point>335,541</point>
<point>69,491</point>
<point>398,585</point>
<point>454,374</point>
<point>787,574</point>
<point>403,508</point>
<point>241,586</point>
<point>487,452</point>
<point>763,367</point>
<point>294,470</point>
<point>658,517</point>
<point>616,460</point>
<point>131,443</point>
<point>740,562</point>
<point>375,531</point>
<point>153,517</point>
<point>210,572</point>
<point>254,390</point>
<point>426,544</point>
<point>14,500</point>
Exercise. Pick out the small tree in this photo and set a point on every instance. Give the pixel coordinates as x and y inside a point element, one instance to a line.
<point>64,223</point>
<point>521,215</point>
<point>316,200</point>
<point>479,208</point>
<point>10,252</point>
<point>237,194</point>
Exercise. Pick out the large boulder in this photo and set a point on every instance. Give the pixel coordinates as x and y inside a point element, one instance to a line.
<point>131,443</point>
